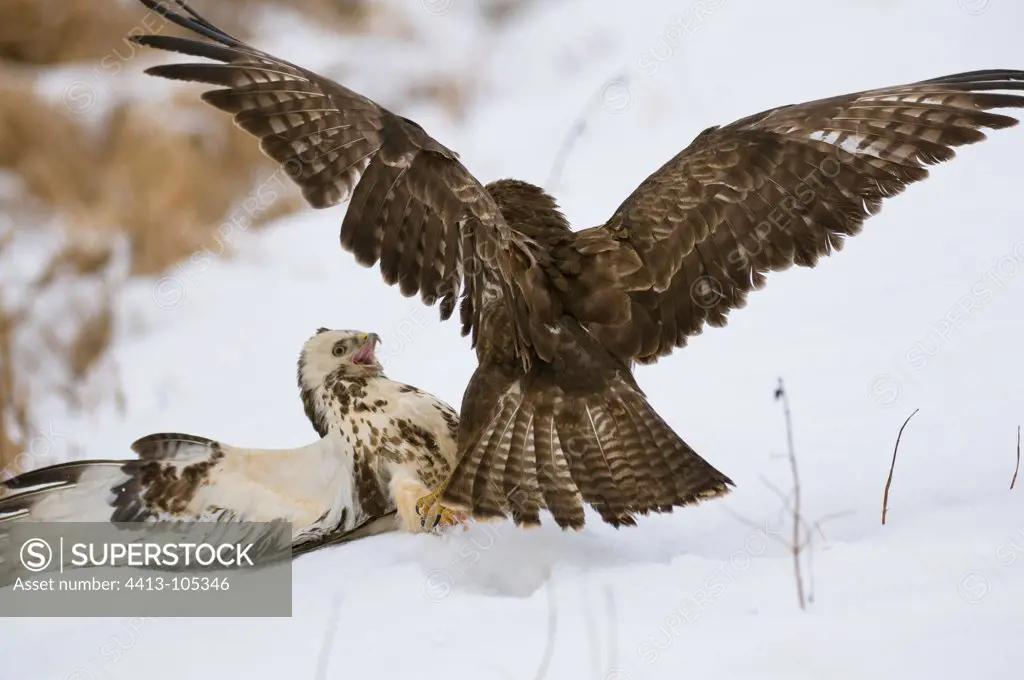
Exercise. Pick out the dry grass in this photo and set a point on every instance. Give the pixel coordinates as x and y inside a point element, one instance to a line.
<point>127,176</point>
<point>166,190</point>
<point>30,344</point>
<point>48,32</point>
<point>83,257</point>
<point>448,93</point>
<point>14,418</point>
<point>44,145</point>
<point>184,184</point>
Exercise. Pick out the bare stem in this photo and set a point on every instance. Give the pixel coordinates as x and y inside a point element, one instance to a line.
<point>780,393</point>
<point>1016,469</point>
<point>892,466</point>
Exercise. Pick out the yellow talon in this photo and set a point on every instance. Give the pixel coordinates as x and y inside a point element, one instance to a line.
<point>426,503</point>
<point>434,516</point>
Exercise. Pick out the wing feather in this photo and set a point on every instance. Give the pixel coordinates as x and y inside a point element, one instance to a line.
<point>780,188</point>
<point>411,199</point>
<point>180,477</point>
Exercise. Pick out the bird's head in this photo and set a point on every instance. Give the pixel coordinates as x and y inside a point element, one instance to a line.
<point>344,354</point>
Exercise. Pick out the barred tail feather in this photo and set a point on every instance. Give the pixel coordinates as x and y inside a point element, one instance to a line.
<point>519,477</point>
<point>554,476</point>
<point>556,447</point>
<point>639,464</point>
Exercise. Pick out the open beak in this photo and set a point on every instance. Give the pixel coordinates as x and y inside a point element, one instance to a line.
<point>366,356</point>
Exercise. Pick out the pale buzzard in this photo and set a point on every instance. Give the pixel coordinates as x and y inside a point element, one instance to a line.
<point>553,418</point>
<point>383,446</point>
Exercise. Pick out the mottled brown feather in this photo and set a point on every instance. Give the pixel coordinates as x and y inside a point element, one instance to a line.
<point>780,188</point>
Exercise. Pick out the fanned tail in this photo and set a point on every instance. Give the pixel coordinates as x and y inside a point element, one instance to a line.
<point>560,438</point>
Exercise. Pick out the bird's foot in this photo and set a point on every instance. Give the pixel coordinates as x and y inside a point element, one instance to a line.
<point>437,517</point>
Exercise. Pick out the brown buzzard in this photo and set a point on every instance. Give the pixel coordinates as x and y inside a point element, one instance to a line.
<point>553,418</point>
<point>383,445</point>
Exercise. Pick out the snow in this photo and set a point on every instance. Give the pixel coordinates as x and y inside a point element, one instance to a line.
<point>922,310</point>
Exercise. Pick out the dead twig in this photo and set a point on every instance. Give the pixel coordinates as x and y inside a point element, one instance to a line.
<point>1016,469</point>
<point>787,506</point>
<point>892,466</point>
<point>576,131</point>
<point>797,546</point>
<point>809,529</point>
<point>324,657</point>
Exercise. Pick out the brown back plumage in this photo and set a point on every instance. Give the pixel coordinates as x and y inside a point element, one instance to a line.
<point>553,418</point>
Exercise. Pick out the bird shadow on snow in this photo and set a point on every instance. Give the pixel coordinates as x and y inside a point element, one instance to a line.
<point>502,560</point>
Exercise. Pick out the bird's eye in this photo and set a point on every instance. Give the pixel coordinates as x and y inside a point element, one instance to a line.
<point>338,350</point>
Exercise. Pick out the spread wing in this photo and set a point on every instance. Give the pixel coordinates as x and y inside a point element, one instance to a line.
<point>780,188</point>
<point>413,207</point>
<point>180,477</point>
<point>183,478</point>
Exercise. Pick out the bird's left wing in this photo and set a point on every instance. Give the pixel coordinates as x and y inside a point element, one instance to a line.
<point>413,206</point>
<point>781,188</point>
<point>406,189</point>
<point>185,478</point>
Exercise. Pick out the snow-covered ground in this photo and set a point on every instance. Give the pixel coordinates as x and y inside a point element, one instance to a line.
<point>922,310</point>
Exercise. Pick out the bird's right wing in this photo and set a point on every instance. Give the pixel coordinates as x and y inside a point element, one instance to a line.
<point>780,188</point>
